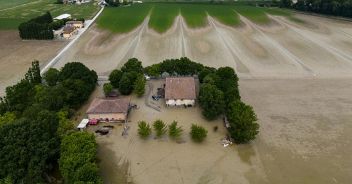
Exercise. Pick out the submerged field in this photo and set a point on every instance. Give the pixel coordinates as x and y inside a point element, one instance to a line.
<point>21,10</point>
<point>163,15</point>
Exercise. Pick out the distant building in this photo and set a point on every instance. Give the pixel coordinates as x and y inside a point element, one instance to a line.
<point>109,109</point>
<point>76,24</point>
<point>63,16</point>
<point>68,31</point>
<point>180,91</point>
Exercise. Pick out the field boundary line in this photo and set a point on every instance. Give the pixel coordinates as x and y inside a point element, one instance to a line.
<point>57,57</point>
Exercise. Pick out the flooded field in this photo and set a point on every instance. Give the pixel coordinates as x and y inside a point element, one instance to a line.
<point>304,138</point>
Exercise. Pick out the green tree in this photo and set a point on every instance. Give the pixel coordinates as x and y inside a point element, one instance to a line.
<point>125,86</point>
<point>198,133</point>
<point>174,130</point>
<point>66,126</point>
<point>33,74</point>
<point>51,76</point>
<point>132,65</point>
<point>242,120</point>
<point>144,129</point>
<point>8,117</point>
<point>107,88</point>
<point>76,70</point>
<point>115,77</point>
<point>159,128</point>
<point>139,85</point>
<point>211,100</point>
<point>78,158</point>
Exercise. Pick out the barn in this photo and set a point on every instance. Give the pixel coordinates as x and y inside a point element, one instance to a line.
<point>109,109</point>
<point>180,91</point>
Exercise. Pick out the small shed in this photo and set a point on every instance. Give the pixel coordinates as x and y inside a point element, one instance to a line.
<point>83,124</point>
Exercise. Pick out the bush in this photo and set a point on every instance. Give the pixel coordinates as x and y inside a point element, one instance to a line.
<point>175,131</point>
<point>198,133</point>
<point>139,85</point>
<point>125,85</point>
<point>51,76</point>
<point>115,77</point>
<point>211,100</point>
<point>132,65</point>
<point>107,88</point>
<point>144,129</point>
<point>242,120</point>
<point>159,127</point>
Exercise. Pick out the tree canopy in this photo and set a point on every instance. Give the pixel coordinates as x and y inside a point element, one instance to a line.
<point>211,100</point>
<point>242,120</point>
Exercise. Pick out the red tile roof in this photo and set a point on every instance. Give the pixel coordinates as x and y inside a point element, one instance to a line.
<point>180,88</point>
<point>109,105</point>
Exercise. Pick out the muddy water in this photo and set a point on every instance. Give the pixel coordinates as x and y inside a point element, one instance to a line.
<point>305,127</point>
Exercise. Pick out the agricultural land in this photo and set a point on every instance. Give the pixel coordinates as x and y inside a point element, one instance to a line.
<point>294,69</point>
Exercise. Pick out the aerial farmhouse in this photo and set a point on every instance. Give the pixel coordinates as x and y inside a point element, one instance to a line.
<point>109,109</point>
<point>180,91</point>
<point>75,23</point>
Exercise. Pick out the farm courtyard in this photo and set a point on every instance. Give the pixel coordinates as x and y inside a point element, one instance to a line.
<point>294,69</point>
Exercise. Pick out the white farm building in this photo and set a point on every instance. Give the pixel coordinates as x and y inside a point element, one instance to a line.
<point>180,91</point>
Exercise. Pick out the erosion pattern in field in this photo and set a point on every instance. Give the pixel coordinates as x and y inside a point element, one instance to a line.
<point>282,48</point>
<point>305,119</point>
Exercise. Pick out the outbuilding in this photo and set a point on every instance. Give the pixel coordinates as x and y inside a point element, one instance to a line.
<point>63,16</point>
<point>180,91</point>
<point>75,23</point>
<point>109,109</point>
<point>68,31</point>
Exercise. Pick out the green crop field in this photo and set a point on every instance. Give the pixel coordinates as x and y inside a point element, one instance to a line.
<point>163,16</point>
<point>224,14</point>
<point>4,4</point>
<point>123,19</point>
<point>12,16</point>
<point>254,14</point>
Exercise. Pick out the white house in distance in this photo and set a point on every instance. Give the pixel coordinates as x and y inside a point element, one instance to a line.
<point>180,91</point>
<point>109,109</point>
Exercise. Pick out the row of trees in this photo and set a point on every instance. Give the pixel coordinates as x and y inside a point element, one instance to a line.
<point>129,79</point>
<point>34,118</point>
<point>329,7</point>
<point>37,28</point>
<point>198,133</point>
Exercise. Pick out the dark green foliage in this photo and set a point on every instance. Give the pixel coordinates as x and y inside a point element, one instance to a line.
<point>144,129</point>
<point>19,96</point>
<point>107,88</point>
<point>182,66</point>
<point>113,3</point>
<point>115,77</point>
<point>174,130</point>
<point>159,128</point>
<point>33,74</point>
<point>228,83</point>
<point>132,65</point>
<point>329,7</point>
<point>51,76</point>
<point>57,24</point>
<point>38,28</point>
<point>78,158</point>
<point>8,117</point>
<point>211,100</point>
<point>139,85</point>
<point>27,145</point>
<point>198,133</point>
<point>76,70</point>
<point>125,85</point>
<point>243,122</point>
